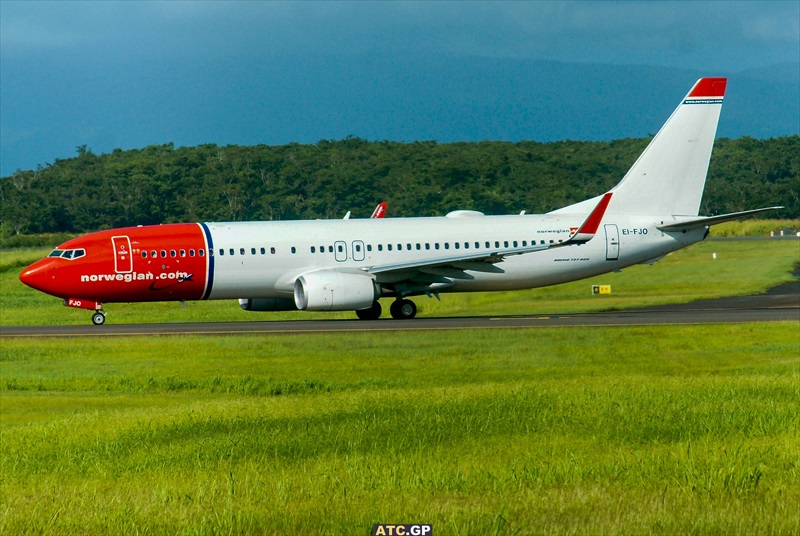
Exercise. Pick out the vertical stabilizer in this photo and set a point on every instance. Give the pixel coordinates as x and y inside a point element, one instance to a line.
<point>669,176</point>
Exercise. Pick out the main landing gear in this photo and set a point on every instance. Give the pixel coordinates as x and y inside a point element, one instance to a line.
<point>98,318</point>
<point>400,309</point>
<point>403,309</point>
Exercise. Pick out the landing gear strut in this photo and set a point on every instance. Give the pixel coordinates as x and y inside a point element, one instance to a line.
<point>98,318</point>
<point>370,313</point>
<point>403,309</point>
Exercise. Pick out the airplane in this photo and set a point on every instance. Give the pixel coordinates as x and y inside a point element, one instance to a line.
<point>347,265</point>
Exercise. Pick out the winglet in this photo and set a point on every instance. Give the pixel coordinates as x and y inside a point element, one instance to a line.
<point>587,231</point>
<point>380,210</point>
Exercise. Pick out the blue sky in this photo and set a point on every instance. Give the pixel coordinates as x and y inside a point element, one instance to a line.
<point>130,74</point>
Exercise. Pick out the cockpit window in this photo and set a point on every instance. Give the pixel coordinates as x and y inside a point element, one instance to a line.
<point>70,254</point>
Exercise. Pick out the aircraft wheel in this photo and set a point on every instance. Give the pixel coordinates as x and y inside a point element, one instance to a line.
<point>403,309</point>
<point>98,318</point>
<point>370,313</point>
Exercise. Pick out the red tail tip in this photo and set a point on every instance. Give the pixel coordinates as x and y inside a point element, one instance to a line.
<point>709,87</point>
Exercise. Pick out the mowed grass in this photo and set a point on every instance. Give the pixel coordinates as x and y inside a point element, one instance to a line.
<point>665,430</point>
<point>740,267</point>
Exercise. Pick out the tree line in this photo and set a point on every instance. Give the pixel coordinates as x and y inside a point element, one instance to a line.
<point>162,183</point>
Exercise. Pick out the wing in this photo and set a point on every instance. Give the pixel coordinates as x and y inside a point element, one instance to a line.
<point>441,270</point>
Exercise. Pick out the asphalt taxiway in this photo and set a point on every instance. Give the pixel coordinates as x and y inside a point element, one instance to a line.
<point>782,303</point>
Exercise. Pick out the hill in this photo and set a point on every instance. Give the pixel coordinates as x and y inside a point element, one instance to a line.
<point>162,183</point>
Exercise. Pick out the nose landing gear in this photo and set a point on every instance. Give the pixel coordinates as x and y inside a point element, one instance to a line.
<point>98,315</point>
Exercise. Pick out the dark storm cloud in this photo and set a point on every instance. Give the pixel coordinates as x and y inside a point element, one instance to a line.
<point>128,74</point>
<point>734,34</point>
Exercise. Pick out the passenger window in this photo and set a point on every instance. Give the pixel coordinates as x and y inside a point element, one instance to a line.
<point>515,243</point>
<point>154,254</point>
<point>477,245</point>
<point>457,245</point>
<point>263,251</point>
<point>221,252</point>
<point>524,243</point>
<point>380,247</point>
<point>505,243</point>
<point>427,245</point>
<point>436,245</point>
<point>358,248</point>
<point>231,251</point>
<point>164,253</point>
<point>173,253</point>
<point>191,253</point>
<point>389,247</point>
<point>252,251</point>
<point>487,245</point>
<point>272,251</point>
<point>496,244</point>
<point>294,250</point>
<point>340,249</point>
<point>313,249</point>
<point>447,245</point>
<point>241,251</point>
<point>466,245</point>
<point>408,247</point>
<point>419,246</point>
<point>369,247</point>
<point>183,253</point>
<point>144,254</point>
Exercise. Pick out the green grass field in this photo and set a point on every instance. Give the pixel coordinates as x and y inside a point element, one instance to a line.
<point>662,429</point>
<point>606,430</point>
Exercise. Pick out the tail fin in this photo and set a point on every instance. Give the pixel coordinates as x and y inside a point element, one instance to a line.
<point>669,176</point>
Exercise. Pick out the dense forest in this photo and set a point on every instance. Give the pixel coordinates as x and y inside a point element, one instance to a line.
<point>160,184</point>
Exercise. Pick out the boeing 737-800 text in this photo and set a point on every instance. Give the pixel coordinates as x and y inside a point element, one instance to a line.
<point>335,265</point>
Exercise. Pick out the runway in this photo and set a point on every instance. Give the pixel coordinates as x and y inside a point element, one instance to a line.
<point>779,304</point>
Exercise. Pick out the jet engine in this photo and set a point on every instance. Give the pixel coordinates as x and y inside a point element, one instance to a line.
<point>334,291</point>
<point>267,304</point>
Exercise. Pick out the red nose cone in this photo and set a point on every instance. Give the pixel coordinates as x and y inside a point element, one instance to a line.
<point>41,275</point>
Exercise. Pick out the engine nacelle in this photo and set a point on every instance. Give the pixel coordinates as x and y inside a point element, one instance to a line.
<point>267,304</point>
<point>334,291</point>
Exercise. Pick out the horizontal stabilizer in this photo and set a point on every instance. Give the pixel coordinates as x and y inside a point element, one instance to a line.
<point>696,223</point>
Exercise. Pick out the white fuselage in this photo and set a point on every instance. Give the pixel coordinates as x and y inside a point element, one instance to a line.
<point>263,259</point>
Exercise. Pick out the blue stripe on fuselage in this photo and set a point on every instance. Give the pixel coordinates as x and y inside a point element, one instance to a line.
<point>210,257</point>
